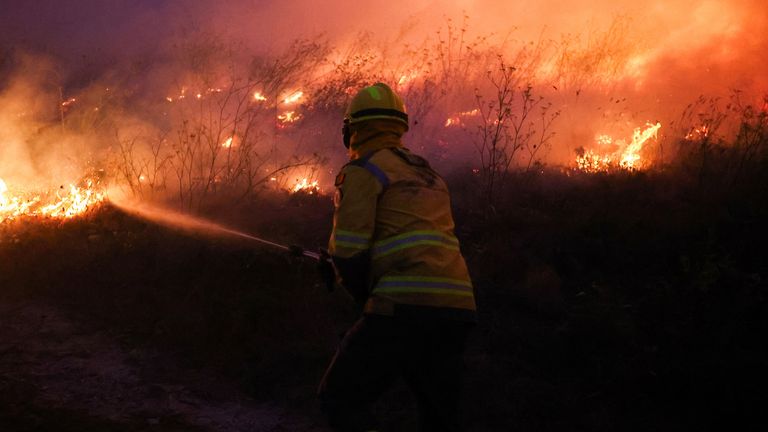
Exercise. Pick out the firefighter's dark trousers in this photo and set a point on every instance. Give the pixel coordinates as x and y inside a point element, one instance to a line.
<point>377,350</point>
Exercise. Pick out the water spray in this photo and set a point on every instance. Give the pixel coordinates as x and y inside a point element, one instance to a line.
<point>183,221</point>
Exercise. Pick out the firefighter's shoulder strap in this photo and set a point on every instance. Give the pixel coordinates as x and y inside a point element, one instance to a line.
<point>409,158</point>
<point>365,163</point>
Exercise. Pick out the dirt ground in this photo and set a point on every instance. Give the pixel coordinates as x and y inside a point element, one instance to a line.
<point>58,374</point>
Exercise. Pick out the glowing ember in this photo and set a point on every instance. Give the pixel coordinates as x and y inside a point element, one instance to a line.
<point>457,120</point>
<point>64,204</point>
<point>289,117</point>
<point>306,186</point>
<point>604,140</point>
<point>627,156</point>
<point>698,133</point>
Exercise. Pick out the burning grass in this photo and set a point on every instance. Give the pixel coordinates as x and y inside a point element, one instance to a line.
<point>65,203</point>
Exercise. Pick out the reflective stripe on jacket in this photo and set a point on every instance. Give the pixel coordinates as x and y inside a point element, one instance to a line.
<point>393,207</point>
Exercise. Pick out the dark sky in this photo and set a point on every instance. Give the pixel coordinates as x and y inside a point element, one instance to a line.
<point>72,28</point>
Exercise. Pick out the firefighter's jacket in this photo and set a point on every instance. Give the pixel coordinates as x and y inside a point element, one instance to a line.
<point>392,241</point>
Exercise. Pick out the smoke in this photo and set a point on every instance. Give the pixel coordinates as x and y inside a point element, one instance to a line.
<point>106,30</point>
<point>605,65</point>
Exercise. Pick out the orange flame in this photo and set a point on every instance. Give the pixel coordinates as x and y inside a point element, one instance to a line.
<point>293,97</point>
<point>289,117</point>
<point>457,120</point>
<point>307,186</point>
<point>626,157</point>
<point>65,205</point>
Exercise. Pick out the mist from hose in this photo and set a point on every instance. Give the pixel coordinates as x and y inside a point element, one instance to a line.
<point>185,222</point>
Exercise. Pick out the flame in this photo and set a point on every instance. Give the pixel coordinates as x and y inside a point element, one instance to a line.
<point>408,78</point>
<point>456,120</point>
<point>64,205</point>
<point>304,185</point>
<point>293,97</point>
<point>626,157</point>
<point>198,94</point>
<point>259,97</point>
<point>289,117</point>
<point>631,158</point>
<point>698,133</point>
<point>592,162</point>
<point>228,142</point>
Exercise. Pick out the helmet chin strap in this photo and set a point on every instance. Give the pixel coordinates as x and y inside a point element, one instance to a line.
<point>346,133</point>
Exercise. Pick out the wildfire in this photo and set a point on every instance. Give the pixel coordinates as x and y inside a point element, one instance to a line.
<point>625,156</point>
<point>698,133</point>
<point>228,142</point>
<point>289,117</point>
<point>66,203</point>
<point>257,96</point>
<point>306,186</point>
<point>293,97</point>
<point>408,78</point>
<point>457,120</point>
<point>631,156</point>
<point>589,161</point>
<point>198,95</point>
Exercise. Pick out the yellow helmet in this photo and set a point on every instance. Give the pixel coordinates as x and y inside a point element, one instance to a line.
<point>378,101</point>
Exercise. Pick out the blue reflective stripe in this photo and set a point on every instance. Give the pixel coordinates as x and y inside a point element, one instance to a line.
<point>378,173</point>
<point>350,239</point>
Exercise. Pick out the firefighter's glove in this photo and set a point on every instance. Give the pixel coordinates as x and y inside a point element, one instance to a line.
<point>326,270</point>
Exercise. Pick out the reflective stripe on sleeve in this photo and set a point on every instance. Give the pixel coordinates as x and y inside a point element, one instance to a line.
<point>423,285</point>
<point>412,239</point>
<point>351,240</point>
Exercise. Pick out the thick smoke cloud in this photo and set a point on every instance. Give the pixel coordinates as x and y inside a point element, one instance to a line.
<point>723,37</point>
<point>668,52</point>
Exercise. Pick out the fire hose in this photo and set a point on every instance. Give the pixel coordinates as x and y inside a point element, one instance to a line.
<point>294,250</point>
<point>324,262</point>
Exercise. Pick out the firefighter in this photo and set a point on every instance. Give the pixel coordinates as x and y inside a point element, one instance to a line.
<point>393,249</point>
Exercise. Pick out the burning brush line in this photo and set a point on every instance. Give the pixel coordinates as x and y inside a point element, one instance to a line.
<point>619,154</point>
<point>65,203</point>
<point>77,199</point>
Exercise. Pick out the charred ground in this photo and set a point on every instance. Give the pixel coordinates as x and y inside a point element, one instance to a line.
<point>614,301</point>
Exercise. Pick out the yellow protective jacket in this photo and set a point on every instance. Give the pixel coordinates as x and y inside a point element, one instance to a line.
<point>392,242</point>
